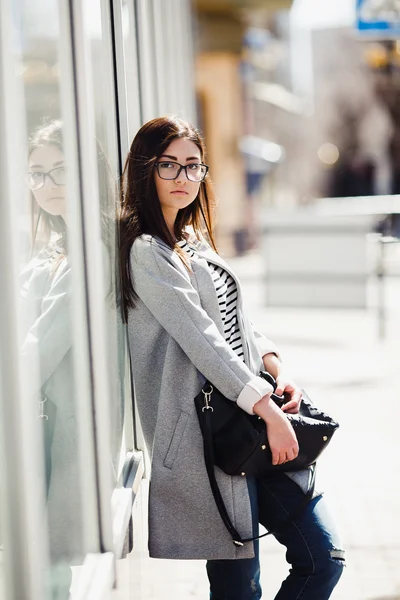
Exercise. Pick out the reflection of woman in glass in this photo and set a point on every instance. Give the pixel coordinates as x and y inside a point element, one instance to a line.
<point>186,323</point>
<point>47,347</point>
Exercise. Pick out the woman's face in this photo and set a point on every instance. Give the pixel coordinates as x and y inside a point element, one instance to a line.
<point>48,190</point>
<point>175,194</point>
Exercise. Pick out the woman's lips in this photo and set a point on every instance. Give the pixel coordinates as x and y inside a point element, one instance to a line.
<point>179,193</point>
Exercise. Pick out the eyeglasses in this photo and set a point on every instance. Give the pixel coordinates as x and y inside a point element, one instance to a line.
<point>171,170</point>
<point>36,179</point>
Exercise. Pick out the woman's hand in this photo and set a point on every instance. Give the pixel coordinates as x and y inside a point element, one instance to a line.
<point>281,437</point>
<point>285,385</point>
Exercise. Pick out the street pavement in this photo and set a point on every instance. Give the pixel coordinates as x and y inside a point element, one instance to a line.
<point>337,357</point>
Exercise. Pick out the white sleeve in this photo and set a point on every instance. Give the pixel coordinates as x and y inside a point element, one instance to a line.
<point>252,393</point>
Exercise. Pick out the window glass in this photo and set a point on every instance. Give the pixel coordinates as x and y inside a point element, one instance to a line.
<point>127,72</point>
<point>97,28</point>
<point>130,108</point>
<point>147,58</point>
<point>53,355</point>
<point>3,594</point>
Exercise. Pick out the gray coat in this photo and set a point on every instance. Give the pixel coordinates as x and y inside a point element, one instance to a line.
<point>176,340</point>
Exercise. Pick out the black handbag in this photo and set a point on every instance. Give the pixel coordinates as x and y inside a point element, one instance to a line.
<point>237,442</point>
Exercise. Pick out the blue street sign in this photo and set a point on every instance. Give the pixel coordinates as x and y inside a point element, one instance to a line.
<point>379,17</point>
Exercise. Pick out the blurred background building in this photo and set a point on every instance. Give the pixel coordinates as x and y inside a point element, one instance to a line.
<point>317,104</point>
<point>237,51</point>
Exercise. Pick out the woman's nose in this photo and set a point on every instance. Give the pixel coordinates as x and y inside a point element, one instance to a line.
<point>181,177</point>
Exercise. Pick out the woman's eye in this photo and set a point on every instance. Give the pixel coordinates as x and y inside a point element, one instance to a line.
<point>167,165</point>
<point>193,167</point>
<point>35,175</point>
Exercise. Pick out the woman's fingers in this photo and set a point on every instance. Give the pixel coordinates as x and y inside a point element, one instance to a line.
<point>281,435</point>
<point>285,455</point>
<point>284,385</point>
<point>279,458</point>
<point>290,406</point>
<point>292,453</point>
<point>275,457</point>
<point>282,457</point>
<point>293,406</point>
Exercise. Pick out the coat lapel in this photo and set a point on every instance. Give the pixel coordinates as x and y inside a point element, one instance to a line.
<point>206,290</point>
<point>205,252</point>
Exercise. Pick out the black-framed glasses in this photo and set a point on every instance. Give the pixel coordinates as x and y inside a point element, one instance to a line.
<point>36,179</point>
<point>171,170</point>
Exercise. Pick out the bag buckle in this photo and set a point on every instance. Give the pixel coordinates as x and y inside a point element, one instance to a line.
<point>207,398</point>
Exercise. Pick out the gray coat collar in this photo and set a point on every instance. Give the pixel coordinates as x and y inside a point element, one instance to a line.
<point>205,251</point>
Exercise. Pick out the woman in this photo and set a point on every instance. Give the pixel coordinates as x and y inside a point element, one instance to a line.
<point>186,324</point>
<point>47,351</point>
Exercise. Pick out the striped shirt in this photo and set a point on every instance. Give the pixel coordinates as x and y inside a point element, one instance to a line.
<point>227,294</point>
<point>226,290</point>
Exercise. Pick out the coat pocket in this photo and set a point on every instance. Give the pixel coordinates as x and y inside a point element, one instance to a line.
<point>176,440</point>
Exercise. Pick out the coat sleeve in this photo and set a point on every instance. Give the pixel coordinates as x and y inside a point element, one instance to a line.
<point>163,284</point>
<point>265,345</point>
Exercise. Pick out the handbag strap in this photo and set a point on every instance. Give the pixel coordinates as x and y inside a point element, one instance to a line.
<point>209,460</point>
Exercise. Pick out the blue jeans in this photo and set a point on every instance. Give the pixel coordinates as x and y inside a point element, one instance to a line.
<point>313,547</point>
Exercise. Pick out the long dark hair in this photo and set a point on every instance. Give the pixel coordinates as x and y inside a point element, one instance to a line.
<point>140,207</point>
<point>43,223</point>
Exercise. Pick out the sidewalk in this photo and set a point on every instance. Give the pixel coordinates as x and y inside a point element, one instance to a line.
<point>337,357</point>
